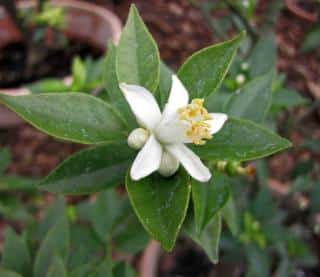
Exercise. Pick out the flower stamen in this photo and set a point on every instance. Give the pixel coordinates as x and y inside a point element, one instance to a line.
<point>195,115</point>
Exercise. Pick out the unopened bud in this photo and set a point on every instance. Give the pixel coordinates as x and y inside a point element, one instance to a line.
<point>244,66</point>
<point>169,165</point>
<point>240,79</point>
<point>137,138</point>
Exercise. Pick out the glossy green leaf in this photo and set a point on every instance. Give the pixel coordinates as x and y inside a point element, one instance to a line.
<point>161,205</point>
<point>138,60</point>
<point>230,216</point>
<point>16,255</point>
<point>209,198</point>
<point>111,83</point>
<point>8,273</point>
<point>57,268</point>
<point>75,117</point>
<point>263,56</point>
<point>163,90</point>
<point>241,140</point>
<point>253,101</point>
<point>56,242</point>
<point>90,170</point>
<point>209,238</point>
<point>204,71</point>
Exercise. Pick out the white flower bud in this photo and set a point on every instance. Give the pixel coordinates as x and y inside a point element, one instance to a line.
<point>169,165</point>
<point>244,66</point>
<point>137,138</point>
<point>240,79</point>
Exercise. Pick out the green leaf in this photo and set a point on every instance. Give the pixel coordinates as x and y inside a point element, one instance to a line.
<point>209,198</point>
<point>241,140</point>
<point>5,160</point>
<point>209,238</point>
<point>57,268</point>
<point>287,98</point>
<point>111,83</point>
<point>79,74</point>
<point>47,86</point>
<point>75,117</point>
<point>90,170</point>
<point>17,183</point>
<point>204,71</point>
<point>311,41</point>
<point>16,255</point>
<point>8,273</point>
<point>253,101</point>
<point>229,214</point>
<point>161,205</point>
<point>56,242</point>
<point>51,217</point>
<point>263,56</point>
<point>138,60</point>
<point>163,90</point>
<point>123,270</point>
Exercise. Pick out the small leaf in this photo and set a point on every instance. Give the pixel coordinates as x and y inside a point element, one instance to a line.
<point>79,74</point>
<point>17,183</point>
<point>57,268</point>
<point>230,216</point>
<point>90,170</point>
<point>47,86</point>
<point>138,60</point>
<point>209,238</point>
<point>16,255</point>
<point>56,242</point>
<point>311,41</point>
<point>161,205</point>
<point>204,71</point>
<point>263,56</point>
<point>287,98</point>
<point>241,140</point>
<point>75,117</point>
<point>253,101</point>
<point>209,198</point>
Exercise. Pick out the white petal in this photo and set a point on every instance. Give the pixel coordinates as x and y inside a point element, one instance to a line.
<point>190,161</point>
<point>148,159</point>
<point>179,96</point>
<point>172,132</point>
<point>217,122</point>
<point>143,105</point>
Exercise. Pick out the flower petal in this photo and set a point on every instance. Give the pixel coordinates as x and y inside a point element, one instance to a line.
<point>190,161</point>
<point>217,122</point>
<point>143,105</point>
<point>148,159</point>
<point>179,96</point>
<point>172,132</point>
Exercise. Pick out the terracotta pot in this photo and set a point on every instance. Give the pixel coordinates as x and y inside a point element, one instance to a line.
<point>85,22</point>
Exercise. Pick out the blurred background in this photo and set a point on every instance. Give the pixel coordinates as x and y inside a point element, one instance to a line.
<point>278,204</point>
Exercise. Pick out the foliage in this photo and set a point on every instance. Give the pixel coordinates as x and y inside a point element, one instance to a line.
<point>79,239</point>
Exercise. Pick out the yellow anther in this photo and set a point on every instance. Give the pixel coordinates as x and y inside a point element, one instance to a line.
<point>195,115</point>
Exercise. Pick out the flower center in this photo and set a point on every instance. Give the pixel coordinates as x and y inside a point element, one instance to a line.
<point>195,115</point>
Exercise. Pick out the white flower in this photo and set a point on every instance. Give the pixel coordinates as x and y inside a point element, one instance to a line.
<point>179,123</point>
